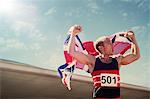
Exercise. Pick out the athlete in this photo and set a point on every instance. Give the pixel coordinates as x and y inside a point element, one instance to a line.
<point>105,68</point>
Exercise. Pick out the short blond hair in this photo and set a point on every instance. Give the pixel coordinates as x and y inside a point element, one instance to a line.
<point>99,42</point>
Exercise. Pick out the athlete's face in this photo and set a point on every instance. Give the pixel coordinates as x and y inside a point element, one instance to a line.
<point>107,48</point>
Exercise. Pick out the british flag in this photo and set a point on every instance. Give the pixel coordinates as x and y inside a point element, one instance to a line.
<point>120,45</point>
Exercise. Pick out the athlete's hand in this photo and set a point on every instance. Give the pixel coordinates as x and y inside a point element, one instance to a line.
<point>130,34</point>
<point>76,29</point>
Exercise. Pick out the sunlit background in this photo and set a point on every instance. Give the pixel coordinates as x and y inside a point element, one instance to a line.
<point>33,31</point>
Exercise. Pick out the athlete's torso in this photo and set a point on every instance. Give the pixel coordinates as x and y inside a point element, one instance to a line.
<point>106,79</point>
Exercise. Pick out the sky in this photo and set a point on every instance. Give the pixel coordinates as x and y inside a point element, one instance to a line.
<point>33,31</point>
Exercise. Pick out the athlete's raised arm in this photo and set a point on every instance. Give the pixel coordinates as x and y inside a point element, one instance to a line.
<point>83,58</point>
<point>135,55</point>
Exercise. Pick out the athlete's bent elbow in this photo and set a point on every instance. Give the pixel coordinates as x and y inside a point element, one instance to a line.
<point>137,57</point>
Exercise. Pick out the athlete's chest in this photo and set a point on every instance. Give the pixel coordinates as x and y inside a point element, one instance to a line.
<point>106,66</point>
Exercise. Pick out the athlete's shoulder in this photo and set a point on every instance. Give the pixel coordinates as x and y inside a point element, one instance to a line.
<point>92,58</point>
<point>118,58</point>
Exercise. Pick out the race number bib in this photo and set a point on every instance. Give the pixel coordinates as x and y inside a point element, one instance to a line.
<point>110,80</point>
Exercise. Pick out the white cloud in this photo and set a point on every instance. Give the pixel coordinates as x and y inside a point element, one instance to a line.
<point>27,11</point>
<point>22,26</point>
<point>50,11</point>
<point>36,34</point>
<point>138,28</point>
<point>29,29</point>
<point>25,35</point>
<point>69,14</point>
<point>141,3</point>
<point>74,12</point>
<point>19,10</point>
<point>8,43</point>
<point>93,7</point>
<point>14,43</point>
<point>35,46</point>
<point>148,24</point>
<point>24,21</point>
<point>8,7</point>
<point>124,14</point>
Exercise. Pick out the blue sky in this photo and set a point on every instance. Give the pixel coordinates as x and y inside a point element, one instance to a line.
<point>33,31</point>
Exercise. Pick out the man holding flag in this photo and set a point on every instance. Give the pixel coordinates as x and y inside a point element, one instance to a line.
<point>105,68</point>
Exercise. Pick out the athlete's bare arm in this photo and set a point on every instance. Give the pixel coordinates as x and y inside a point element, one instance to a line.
<point>124,60</point>
<point>83,58</point>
